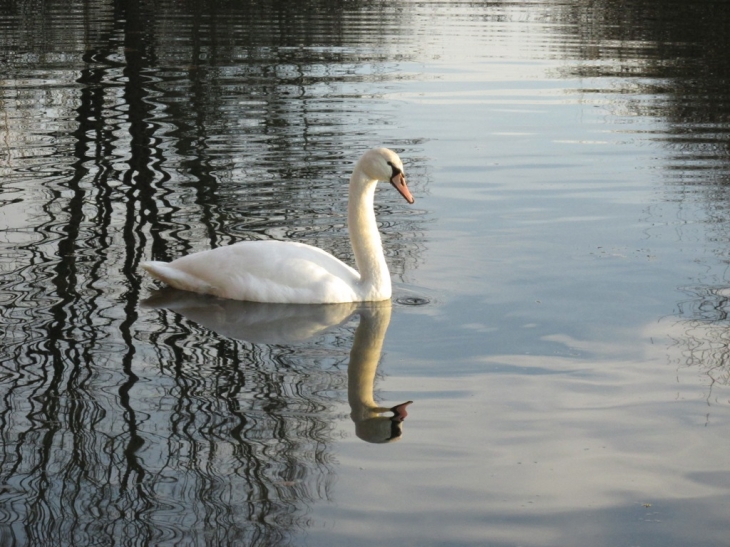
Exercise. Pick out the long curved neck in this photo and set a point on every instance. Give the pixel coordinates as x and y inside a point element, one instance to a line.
<point>365,237</point>
<point>364,358</point>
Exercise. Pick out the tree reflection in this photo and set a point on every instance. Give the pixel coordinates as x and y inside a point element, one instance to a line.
<point>672,52</point>
<point>136,130</point>
<point>701,337</point>
<point>668,61</point>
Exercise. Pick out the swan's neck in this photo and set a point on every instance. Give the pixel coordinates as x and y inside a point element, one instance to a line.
<point>365,238</point>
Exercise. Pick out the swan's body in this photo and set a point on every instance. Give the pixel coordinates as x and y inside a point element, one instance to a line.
<point>289,272</point>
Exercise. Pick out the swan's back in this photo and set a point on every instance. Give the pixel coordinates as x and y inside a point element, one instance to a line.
<point>263,271</point>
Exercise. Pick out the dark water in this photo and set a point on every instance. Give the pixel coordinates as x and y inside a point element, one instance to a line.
<point>561,284</point>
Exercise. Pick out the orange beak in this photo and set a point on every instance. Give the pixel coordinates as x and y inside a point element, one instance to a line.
<point>399,181</point>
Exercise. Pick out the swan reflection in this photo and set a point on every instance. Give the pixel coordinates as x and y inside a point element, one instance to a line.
<point>265,323</point>
<point>370,423</point>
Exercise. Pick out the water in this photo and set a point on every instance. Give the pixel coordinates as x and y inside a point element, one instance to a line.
<point>561,285</point>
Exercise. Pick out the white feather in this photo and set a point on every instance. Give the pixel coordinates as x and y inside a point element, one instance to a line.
<point>290,272</point>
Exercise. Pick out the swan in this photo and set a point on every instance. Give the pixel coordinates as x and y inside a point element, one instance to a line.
<point>295,273</point>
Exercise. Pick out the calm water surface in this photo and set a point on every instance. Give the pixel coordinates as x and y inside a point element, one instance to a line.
<point>560,316</point>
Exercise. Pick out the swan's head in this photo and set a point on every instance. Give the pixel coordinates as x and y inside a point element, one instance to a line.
<point>384,165</point>
<point>382,429</point>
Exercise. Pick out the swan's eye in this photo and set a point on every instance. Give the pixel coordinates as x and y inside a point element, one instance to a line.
<point>396,171</point>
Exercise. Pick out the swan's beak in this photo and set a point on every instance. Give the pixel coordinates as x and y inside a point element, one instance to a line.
<point>399,412</point>
<point>399,181</point>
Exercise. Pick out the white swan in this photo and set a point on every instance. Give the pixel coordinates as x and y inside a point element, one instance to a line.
<point>295,273</point>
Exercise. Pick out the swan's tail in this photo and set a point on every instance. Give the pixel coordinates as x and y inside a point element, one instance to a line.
<point>166,273</point>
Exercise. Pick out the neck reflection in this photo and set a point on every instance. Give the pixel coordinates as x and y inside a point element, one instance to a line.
<point>284,324</point>
<point>373,423</point>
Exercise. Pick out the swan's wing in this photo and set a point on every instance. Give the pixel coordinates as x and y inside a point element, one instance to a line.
<point>262,271</point>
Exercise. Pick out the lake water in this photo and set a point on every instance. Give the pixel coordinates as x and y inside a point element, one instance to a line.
<point>561,284</point>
